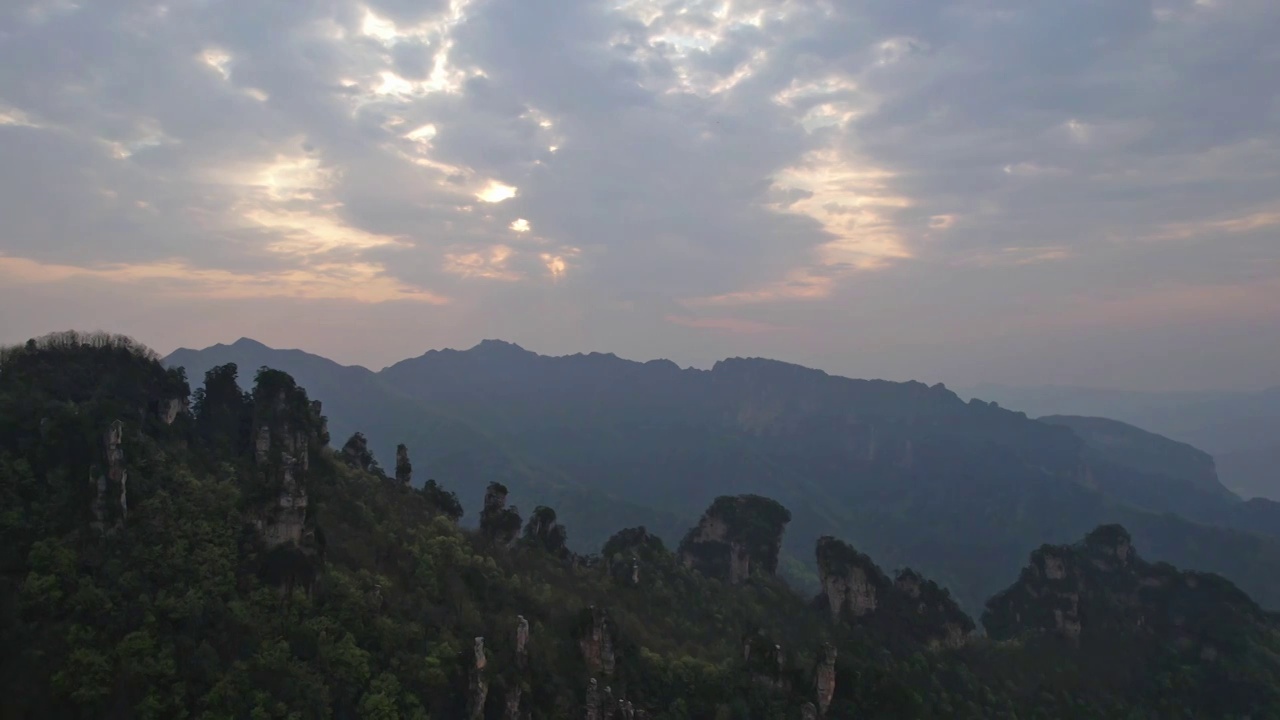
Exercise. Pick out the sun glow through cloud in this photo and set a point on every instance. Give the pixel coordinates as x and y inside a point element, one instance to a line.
<point>496,192</point>
<point>766,159</point>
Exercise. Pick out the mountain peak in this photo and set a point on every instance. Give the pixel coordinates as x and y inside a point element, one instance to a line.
<point>249,343</point>
<point>498,346</point>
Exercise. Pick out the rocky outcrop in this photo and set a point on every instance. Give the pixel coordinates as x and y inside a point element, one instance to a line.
<point>404,469</point>
<point>285,434</point>
<point>592,701</point>
<point>600,704</point>
<point>356,453</point>
<point>544,532</point>
<point>825,678</point>
<point>322,429</point>
<point>1100,590</point>
<point>478,690</point>
<point>852,583</point>
<point>173,407</point>
<point>855,590</point>
<point>522,640</point>
<point>597,640</point>
<point>737,536</point>
<point>112,476</point>
<point>944,623</point>
<point>499,523</point>
<point>764,661</point>
<point>515,691</point>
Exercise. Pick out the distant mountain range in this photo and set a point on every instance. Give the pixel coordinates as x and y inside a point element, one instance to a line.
<point>909,473</point>
<point>1240,430</point>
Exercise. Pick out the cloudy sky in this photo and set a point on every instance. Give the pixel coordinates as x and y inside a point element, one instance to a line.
<point>1020,191</point>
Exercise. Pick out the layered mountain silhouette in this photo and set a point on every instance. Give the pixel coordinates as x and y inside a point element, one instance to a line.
<point>1237,428</point>
<point>171,549</point>
<point>908,472</point>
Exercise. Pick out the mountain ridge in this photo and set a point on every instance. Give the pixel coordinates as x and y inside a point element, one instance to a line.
<point>910,471</point>
<point>226,561</point>
<point>1233,426</point>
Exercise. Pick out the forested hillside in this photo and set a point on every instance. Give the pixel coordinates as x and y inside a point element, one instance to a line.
<point>908,472</point>
<point>169,553</point>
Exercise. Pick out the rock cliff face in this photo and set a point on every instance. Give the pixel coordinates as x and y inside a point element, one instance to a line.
<point>825,678</point>
<point>856,590</point>
<point>597,639</point>
<point>592,701</point>
<point>286,432</point>
<point>512,708</point>
<point>173,407</point>
<point>543,531</point>
<point>498,522</point>
<point>852,582</point>
<point>112,476</point>
<point>737,536</point>
<point>478,691</point>
<point>1100,591</point>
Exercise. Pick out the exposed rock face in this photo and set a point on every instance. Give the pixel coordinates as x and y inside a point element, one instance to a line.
<point>596,640</point>
<point>764,661</point>
<point>498,522</point>
<point>736,537</point>
<point>855,589</point>
<point>115,475</point>
<point>825,678</point>
<point>172,408</point>
<point>852,582</point>
<point>944,623</point>
<point>592,703</point>
<point>404,469</point>
<point>511,709</point>
<point>285,432</point>
<point>479,688</point>
<point>322,432</point>
<point>522,638</point>
<point>356,453</point>
<point>1100,589</point>
<point>543,531</point>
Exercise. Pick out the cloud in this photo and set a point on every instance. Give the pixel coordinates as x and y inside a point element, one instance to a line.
<point>724,324</point>
<point>596,171</point>
<point>358,282</point>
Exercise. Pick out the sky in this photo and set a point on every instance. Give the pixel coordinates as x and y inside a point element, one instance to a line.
<point>1009,191</point>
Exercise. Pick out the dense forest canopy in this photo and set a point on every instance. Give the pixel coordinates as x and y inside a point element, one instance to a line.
<point>169,553</point>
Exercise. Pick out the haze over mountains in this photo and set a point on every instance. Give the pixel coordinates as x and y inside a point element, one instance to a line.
<point>910,473</point>
<point>1237,428</point>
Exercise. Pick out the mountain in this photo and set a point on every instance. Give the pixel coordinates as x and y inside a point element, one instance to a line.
<point>443,445</point>
<point>1237,428</point>
<point>909,473</point>
<point>1151,471</point>
<point>174,553</point>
